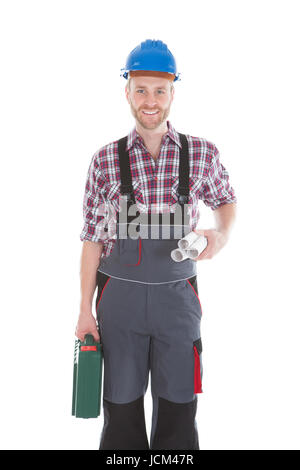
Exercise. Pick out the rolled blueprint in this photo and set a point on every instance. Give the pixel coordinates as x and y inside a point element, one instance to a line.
<point>196,244</point>
<point>197,247</point>
<point>186,242</point>
<point>178,255</point>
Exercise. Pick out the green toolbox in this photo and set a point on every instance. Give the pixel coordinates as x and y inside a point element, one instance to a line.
<point>87,378</point>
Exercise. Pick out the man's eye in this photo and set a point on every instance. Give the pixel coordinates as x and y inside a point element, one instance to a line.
<point>160,91</point>
<point>140,90</point>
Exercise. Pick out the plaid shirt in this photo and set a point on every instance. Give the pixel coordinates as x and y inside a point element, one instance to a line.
<point>154,182</point>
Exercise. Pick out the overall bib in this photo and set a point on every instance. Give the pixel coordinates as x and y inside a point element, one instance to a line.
<point>149,317</point>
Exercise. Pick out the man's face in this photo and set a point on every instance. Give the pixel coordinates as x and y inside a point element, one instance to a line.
<point>150,95</point>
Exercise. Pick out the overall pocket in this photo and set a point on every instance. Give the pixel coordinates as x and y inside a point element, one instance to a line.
<point>192,281</point>
<point>130,251</point>
<point>101,280</point>
<point>197,346</point>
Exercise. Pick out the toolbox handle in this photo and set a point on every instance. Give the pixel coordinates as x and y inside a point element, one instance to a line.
<point>89,340</point>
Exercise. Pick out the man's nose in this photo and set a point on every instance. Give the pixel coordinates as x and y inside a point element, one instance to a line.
<point>150,100</point>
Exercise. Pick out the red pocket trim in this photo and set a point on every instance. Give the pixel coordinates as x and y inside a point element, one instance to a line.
<point>197,372</point>
<point>102,292</point>
<point>140,252</point>
<point>195,294</point>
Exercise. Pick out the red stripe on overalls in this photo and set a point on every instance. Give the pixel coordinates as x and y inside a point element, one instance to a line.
<point>102,292</point>
<point>197,372</point>
<point>197,369</point>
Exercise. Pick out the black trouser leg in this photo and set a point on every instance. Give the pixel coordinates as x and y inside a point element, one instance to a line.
<point>176,426</point>
<point>124,426</point>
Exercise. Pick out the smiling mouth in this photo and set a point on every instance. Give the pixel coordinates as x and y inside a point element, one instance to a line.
<point>150,113</point>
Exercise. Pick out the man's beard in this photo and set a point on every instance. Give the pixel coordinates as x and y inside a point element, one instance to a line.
<point>162,116</point>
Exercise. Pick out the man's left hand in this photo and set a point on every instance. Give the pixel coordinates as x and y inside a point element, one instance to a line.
<point>215,242</point>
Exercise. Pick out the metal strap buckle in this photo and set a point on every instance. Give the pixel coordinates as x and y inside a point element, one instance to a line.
<point>183,199</point>
<point>129,198</point>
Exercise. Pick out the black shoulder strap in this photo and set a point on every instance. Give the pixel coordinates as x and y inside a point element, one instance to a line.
<point>125,171</point>
<point>183,186</point>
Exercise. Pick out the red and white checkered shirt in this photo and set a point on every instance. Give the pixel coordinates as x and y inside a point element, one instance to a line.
<point>154,182</point>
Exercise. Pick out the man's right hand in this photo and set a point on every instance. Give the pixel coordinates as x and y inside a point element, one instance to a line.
<point>87,325</point>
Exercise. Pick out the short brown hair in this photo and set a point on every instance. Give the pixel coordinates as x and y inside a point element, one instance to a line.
<point>151,74</point>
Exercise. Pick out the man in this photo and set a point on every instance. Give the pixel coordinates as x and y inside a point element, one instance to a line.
<point>147,305</point>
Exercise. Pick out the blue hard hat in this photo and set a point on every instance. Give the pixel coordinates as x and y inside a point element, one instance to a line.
<point>151,55</point>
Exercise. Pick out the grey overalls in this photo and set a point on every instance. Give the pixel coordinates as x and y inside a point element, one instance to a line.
<point>149,315</point>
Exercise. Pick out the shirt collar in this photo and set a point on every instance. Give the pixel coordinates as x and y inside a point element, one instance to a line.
<point>134,136</point>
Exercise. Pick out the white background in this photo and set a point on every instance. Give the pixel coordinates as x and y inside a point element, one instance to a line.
<point>62,98</point>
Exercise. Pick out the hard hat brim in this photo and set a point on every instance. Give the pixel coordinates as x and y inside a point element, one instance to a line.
<point>151,73</point>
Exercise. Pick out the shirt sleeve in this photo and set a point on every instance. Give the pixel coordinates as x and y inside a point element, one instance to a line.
<point>217,190</point>
<point>94,205</point>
